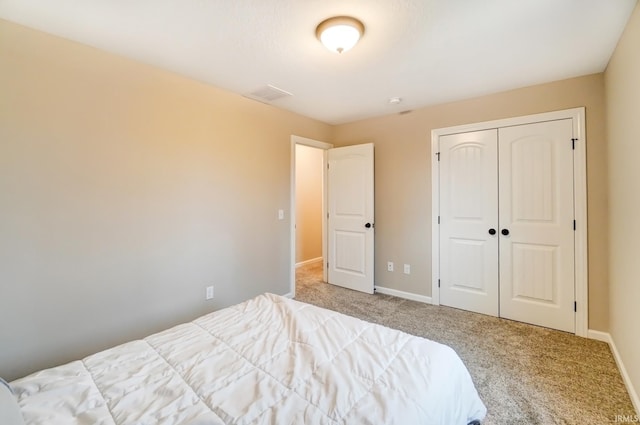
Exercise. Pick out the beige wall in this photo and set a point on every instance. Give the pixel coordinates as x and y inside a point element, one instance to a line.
<point>622,81</point>
<point>403,177</point>
<point>124,191</point>
<point>309,162</point>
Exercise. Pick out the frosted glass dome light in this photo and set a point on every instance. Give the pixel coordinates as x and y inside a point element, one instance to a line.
<point>340,33</point>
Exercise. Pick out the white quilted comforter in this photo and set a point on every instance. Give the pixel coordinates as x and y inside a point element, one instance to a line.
<point>269,360</point>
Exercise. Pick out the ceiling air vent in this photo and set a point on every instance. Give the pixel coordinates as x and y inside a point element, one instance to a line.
<point>267,94</point>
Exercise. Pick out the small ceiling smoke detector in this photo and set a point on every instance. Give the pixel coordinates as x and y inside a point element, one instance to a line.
<point>395,100</point>
<point>340,33</point>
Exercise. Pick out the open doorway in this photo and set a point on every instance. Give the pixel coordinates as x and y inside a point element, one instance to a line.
<point>308,211</point>
<point>347,230</point>
<point>309,206</point>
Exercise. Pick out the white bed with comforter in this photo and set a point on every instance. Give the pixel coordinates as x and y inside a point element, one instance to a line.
<point>269,360</point>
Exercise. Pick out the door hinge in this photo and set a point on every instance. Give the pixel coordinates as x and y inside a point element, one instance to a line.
<point>438,219</point>
<point>574,225</point>
<point>438,155</point>
<point>327,216</point>
<point>573,143</point>
<point>438,283</point>
<point>575,306</point>
<point>327,264</point>
<point>327,165</point>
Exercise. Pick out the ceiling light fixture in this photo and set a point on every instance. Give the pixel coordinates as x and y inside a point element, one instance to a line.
<point>340,33</point>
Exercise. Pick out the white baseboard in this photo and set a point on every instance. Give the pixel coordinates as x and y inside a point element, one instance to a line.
<point>402,294</point>
<point>606,337</point>
<point>311,261</point>
<point>599,336</point>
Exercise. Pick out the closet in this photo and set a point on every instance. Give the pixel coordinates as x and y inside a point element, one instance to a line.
<point>507,221</point>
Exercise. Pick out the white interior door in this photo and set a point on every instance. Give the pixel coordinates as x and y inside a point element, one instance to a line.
<point>350,221</point>
<point>469,221</point>
<point>536,209</point>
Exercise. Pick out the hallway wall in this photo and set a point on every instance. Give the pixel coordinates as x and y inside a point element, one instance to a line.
<point>308,203</point>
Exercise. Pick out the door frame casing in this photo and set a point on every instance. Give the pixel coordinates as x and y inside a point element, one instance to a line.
<point>297,140</point>
<point>581,282</point>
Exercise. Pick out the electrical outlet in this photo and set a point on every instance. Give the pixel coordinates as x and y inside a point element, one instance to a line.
<point>209,295</point>
<point>407,269</point>
<point>280,214</point>
<point>390,266</point>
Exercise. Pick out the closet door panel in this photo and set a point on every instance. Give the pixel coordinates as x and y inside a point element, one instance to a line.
<point>536,208</point>
<point>468,207</point>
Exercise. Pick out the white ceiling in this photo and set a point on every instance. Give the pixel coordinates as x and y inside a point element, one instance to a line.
<point>424,51</point>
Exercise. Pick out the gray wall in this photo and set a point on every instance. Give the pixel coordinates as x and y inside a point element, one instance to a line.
<point>403,177</point>
<point>622,80</point>
<point>124,192</point>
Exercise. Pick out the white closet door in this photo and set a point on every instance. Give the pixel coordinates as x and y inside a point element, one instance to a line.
<point>468,210</point>
<point>536,208</point>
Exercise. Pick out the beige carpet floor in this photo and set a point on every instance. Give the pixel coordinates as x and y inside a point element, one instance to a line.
<point>524,374</point>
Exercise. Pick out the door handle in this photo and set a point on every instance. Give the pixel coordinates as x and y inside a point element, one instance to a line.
<point>368,225</point>
<point>505,232</point>
<point>492,231</point>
